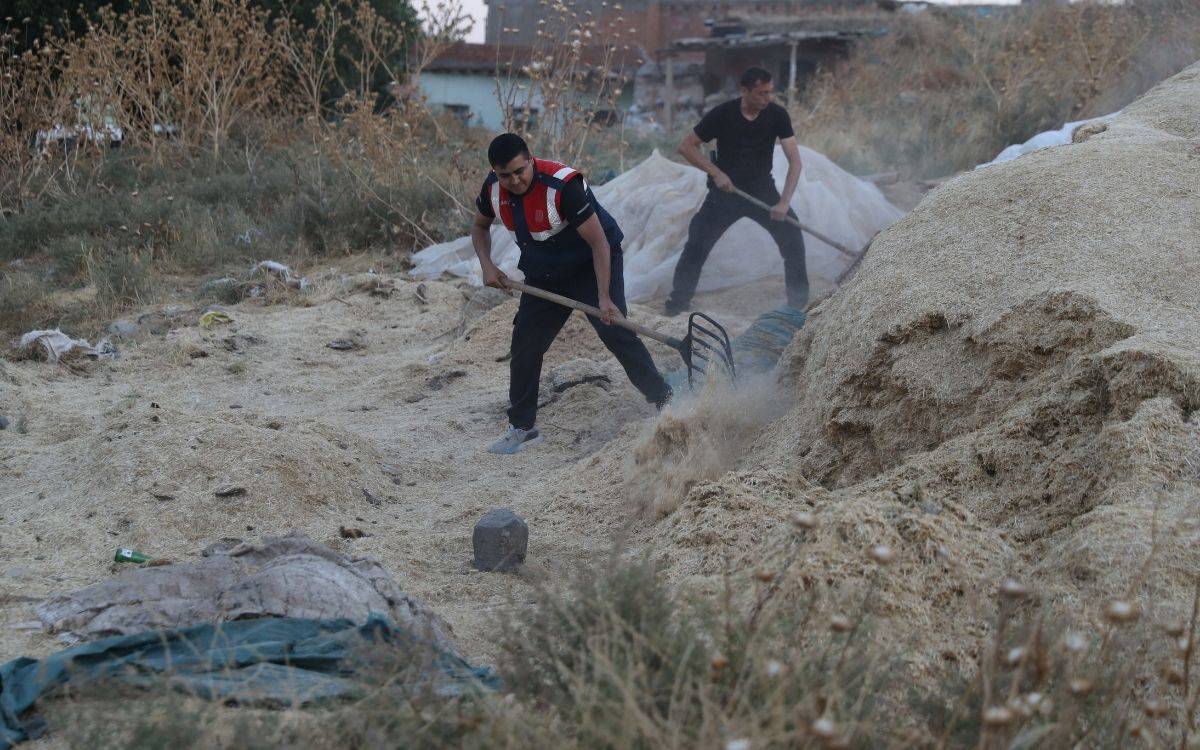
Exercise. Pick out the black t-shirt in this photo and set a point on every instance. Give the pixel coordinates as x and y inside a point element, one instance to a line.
<point>744,147</point>
<point>574,205</point>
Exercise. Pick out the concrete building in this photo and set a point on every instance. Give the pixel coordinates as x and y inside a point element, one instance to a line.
<point>485,84</point>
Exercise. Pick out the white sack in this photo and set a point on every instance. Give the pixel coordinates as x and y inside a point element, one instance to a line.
<point>655,201</point>
<point>1059,137</point>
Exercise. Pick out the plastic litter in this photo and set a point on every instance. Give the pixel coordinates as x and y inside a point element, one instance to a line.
<point>54,345</point>
<point>283,273</point>
<point>1046,139</point>
<point>124,555</point>
<point>215,318</point>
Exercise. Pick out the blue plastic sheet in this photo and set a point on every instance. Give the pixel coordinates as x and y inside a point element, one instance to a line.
<point>275,661</point>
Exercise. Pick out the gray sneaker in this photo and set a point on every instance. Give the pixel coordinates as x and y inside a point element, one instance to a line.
<point>515,440</point>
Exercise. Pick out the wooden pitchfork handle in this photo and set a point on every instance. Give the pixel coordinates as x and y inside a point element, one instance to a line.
<point>827,240</point>
<point>593,311</point>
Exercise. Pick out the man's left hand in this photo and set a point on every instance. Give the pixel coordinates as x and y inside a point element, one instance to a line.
<point>779,210</point>
<point>609,311</point>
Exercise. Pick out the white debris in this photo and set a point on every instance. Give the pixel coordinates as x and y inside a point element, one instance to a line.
<point>654,203</point>
<point>283,273</point>
<point>54,344</point>
<point>1059,137</point>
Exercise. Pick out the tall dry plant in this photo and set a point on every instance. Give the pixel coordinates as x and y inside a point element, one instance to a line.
<point>387,149</point>
<point>567,90</point>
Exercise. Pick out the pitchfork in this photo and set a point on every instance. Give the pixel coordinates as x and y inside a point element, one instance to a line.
<point>705,341</point>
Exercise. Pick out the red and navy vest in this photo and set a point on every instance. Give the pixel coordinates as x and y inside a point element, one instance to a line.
<point>549,245</point>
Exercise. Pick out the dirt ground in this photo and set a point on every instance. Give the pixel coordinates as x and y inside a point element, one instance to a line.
<point>131,453</point>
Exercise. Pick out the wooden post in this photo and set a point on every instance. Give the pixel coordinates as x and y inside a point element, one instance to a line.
<point>669,97</point>
<point>791,92</point>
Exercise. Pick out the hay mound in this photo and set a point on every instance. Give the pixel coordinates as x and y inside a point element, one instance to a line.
<point>1026,343</point>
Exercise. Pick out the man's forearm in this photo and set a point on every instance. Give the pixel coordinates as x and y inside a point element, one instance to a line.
<point>696,158</point>
<point>481,240</point>
<point>602,261</point>
<point>791,181</point>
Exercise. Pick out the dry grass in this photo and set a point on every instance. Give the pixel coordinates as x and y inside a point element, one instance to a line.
<point>946,90</point>
<point>233,150</point>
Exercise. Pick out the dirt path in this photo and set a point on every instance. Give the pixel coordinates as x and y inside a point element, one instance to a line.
<point>316,436</point>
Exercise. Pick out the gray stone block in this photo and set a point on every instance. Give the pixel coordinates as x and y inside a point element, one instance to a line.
<point>125,329</point>
<point>500,540</point>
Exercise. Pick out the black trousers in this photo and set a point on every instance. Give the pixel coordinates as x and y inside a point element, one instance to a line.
<point>719,211</point>
<point>537,324</point>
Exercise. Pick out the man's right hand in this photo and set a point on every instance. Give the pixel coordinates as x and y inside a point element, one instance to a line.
<point>722,181</point>
<point>494,277</point>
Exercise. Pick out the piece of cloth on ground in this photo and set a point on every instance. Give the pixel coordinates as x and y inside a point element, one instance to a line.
<point>285,576</point>
<point>654,203</point>
<point>54,345</point>
<point>276,662</point>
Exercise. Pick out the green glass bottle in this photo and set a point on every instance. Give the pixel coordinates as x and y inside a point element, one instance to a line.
<point>130,556</point>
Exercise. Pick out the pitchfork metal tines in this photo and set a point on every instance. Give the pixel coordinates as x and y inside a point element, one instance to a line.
<point>706,340</point>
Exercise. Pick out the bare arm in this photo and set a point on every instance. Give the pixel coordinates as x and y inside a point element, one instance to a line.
<point>481,240</point>
<point>792,152</point>
<point>593,234</point>
<point>689,148</point>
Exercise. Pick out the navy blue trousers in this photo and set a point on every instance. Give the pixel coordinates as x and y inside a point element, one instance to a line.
<point>538,322</point>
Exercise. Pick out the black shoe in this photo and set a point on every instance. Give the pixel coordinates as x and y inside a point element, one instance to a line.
<point>673,308</point>
<point>665,399</point>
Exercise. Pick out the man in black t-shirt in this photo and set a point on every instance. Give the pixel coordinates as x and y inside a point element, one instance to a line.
<point>746,130</point>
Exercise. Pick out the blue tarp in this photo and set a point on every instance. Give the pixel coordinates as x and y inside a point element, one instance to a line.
<point>273,661</point>
<point>759,347</point>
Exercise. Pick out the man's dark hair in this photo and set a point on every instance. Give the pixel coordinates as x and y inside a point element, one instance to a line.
<point>754,76</point>
<point>506,147</point>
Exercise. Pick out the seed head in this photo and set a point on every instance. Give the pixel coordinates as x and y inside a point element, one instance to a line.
<point>1075,642</point>
<point>805,521</point>
<point>1013,589</point>
<point>719,662</point>
<point>839,623</point>
<point>1121,612</point>
<point>824,728</point>
<point>997,716</point>
<point>773,668</point>
<point>882,554</point>
<point>1183,645</point>
<point>1174,628</point>
<point>1154,709</point>
<point>1014,656</point>
<point>740,744</point>
<point>766,576</point>
<point>1079,686</point>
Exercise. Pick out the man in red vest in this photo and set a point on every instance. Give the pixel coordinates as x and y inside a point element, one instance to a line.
<point>569,245</point>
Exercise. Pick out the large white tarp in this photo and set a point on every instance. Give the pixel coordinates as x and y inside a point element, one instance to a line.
<point>1059,137</point>
<point>655,201</point>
